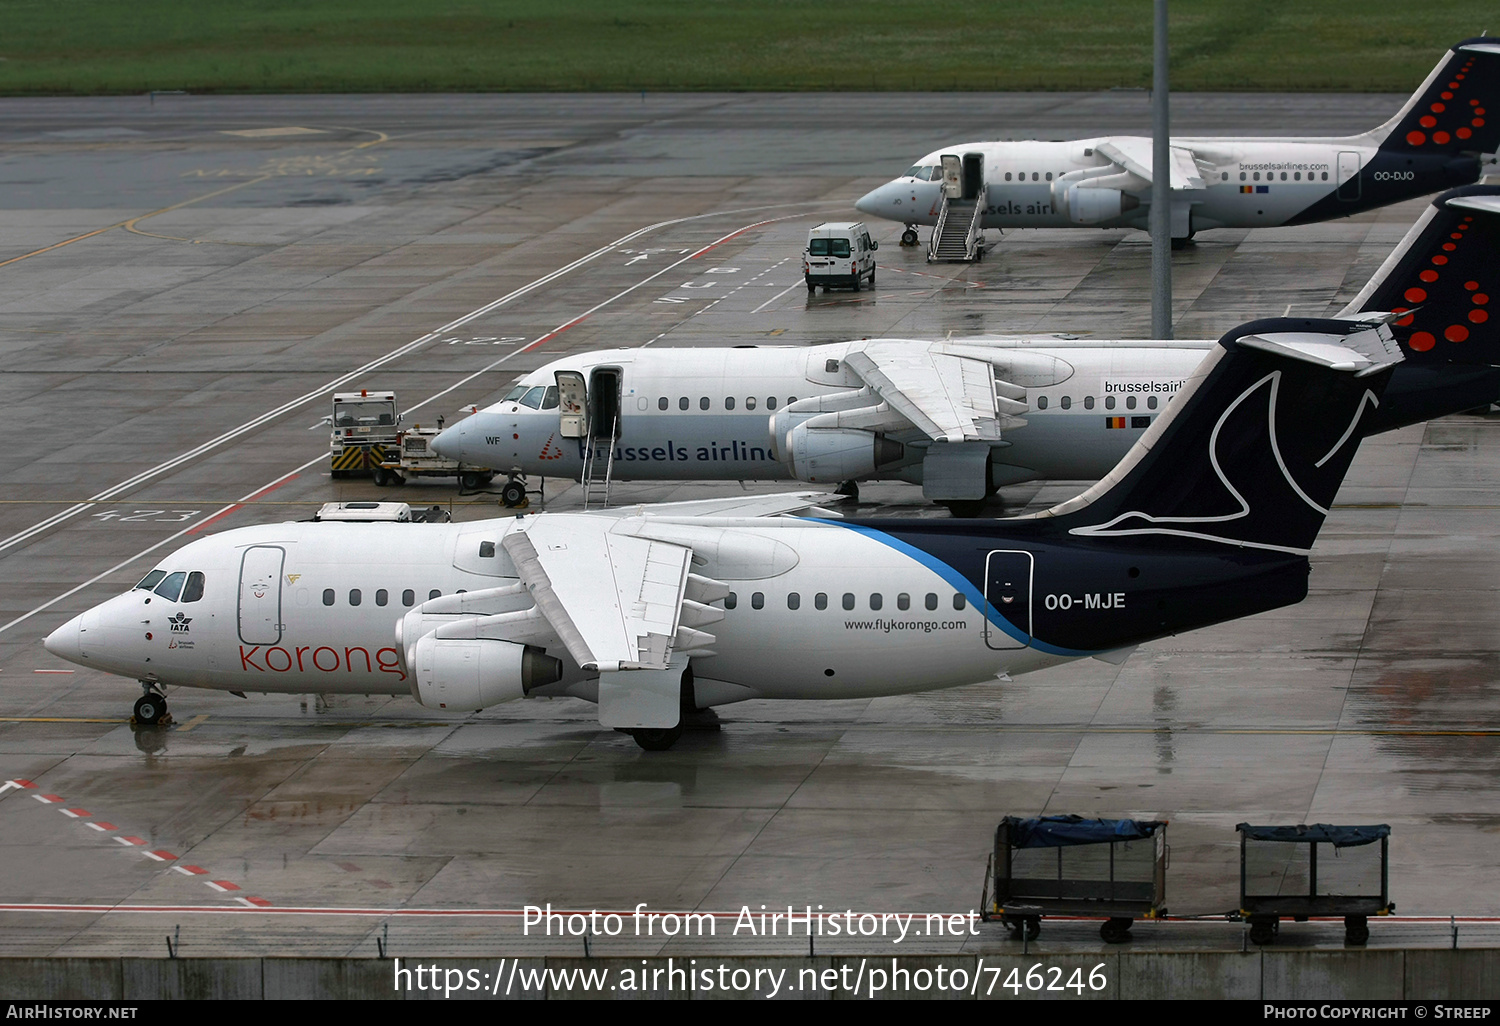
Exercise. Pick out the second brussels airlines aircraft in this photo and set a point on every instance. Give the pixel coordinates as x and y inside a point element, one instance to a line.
<point>656,610</point>
<point>965,416</point>
<point>1438,140</point>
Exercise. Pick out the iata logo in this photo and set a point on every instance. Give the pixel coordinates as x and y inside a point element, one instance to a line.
<point>551,450</point>
<point>178,623</point>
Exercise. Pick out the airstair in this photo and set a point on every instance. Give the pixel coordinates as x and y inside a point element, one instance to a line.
<point>958,237</point>
<point>599,467</point>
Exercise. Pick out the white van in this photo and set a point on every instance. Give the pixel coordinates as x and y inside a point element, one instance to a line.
<point>839,253</point>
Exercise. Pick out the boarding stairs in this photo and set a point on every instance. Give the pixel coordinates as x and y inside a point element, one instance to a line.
<point>599,467</point>
<point>957,237</point>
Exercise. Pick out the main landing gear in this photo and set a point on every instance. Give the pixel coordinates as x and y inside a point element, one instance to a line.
<point>151,707</point>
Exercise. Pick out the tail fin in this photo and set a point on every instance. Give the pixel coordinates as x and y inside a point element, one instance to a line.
<point>1252,451</point>
<point>1443,276</point>
<point>1450,110</point>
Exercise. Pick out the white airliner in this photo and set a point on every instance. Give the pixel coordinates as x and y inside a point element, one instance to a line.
<point>963,417</point>
<point>1438,140</point>
<point>656,610</point>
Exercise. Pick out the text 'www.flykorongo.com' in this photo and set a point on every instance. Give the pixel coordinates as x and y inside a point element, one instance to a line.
<point>869,977</point>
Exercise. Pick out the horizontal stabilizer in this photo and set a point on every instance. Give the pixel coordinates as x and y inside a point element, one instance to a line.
<point>1363,352</point>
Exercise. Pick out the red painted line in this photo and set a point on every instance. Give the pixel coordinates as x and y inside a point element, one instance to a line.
<point>161,856</point>
<point>726,238</point>
<point>101,827</point>
<point>222,885</point>
<point>250,498</point>
<point>257,902</point>
<point>21,783</point>
<point>554,333</point>
<point>132,842</point>
<point>74,813</point>
<point>47,799</point>
<point>191,870</point>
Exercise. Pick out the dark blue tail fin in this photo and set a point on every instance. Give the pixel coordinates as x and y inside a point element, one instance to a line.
<point>1250,454</point>
<point>1456,110</point>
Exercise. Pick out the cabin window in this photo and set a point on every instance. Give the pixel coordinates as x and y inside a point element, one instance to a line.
<point>703,403</point>
<point>328,596</point>
<point>1283,176</point>
<point>171,588</point>
<point>1242,176</point>
<point>1109,402</point>
<point>876,601</point>
<point>533,398</point>
<point>729,402</point>
<point>731,600</point>
<point>848,600</point>
<point>382,597</point>
<point>770,402</point>
<point>1296,176</point>
<point>1049,176</point>
<point>749,402</point>
<point>820,600</point>
<point>1256,176</point>
<point>1067,402</point>
<point>435,593</point>
<point>758,600</point>
<point>1041,402</point>
<point>662,404</point>
<point>1007,176</point>
<point>1088,402</point>
<point>958,600</point>
<point>1130,402</point>
<point>408,598</point>
<point>903,601</point>
<point>1224,177</point>
<point>1150,402</point>
<point>793,600</point>
<point>549,401</point>
<point>682,403</point>
<point>194,590</point>
<point>1325,176</point>
<point>354,596</point>
<point>151,580</point>
<point>932,600</point>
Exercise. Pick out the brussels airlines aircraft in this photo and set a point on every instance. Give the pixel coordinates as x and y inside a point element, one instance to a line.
<point>963,416</point>
<point>1436,141</point>
<point>654,610</point>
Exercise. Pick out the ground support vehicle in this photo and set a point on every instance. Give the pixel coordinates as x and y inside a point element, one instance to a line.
<point>1297,872</point>
<point>1068,865</point>
<point>365,429</point>
<point>839,254</point>
<point>413,456</point>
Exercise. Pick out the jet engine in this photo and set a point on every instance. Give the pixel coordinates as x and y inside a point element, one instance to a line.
<point>1088,205</point>
<point>837,454</point>
<point>452,673</point>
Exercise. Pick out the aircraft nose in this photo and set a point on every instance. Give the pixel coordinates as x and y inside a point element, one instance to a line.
<point>449,442</point>
<point>877,202</point>
<point>67,641</point>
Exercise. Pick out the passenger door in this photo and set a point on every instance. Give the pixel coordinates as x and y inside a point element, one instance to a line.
<point>573,405</point>
<point>260,594</point>
<point>1007,588</point>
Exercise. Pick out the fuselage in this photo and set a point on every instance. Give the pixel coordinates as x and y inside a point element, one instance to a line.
<point>708,414</point>
<point>1246,183</point>
<point>817,609</point>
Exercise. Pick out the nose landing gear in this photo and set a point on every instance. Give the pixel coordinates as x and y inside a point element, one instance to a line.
<point>909,237</point>
<point>151,707</point>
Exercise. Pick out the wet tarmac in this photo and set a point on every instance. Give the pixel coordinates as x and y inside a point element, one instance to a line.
<point>181,286</point>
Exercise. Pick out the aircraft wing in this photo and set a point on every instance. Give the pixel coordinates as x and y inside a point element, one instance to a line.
<point>614,600</point>
<point>1133,153</point>
<point>948,398</point>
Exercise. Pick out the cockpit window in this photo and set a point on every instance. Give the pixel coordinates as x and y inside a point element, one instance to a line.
<point>514,394</point>
<point>170,588</point>
<point>925,173</point>
<point>549,401</point>
<point>817,247</point>
<point>194,590</point>
<point>151,580</point>
<point>917,172</point>
<point>533,398</point>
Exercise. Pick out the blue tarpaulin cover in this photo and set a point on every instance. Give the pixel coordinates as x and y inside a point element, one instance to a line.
<point>1058,831</point>
<point>1317,833</point>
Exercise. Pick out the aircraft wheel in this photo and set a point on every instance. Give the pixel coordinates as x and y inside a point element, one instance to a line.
<point>909,237</point>
<point>468,481</point>
<point>149,709</point>
<point>513,494</point>
<point>656,739</point>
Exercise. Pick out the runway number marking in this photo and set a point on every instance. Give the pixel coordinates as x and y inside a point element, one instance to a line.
<point>155,516</point>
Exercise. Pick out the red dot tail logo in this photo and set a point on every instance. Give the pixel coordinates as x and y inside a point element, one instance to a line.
<point>550,449</point>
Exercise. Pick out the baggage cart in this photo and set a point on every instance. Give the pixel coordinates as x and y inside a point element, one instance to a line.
<point>1297,872</point>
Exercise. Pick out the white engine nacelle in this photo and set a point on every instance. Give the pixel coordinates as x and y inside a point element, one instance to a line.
<point>837,454</point>
<point>449,673</point>
<point>1090,206</point>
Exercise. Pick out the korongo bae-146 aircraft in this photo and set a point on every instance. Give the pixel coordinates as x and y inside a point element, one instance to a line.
<point>651,611</point>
